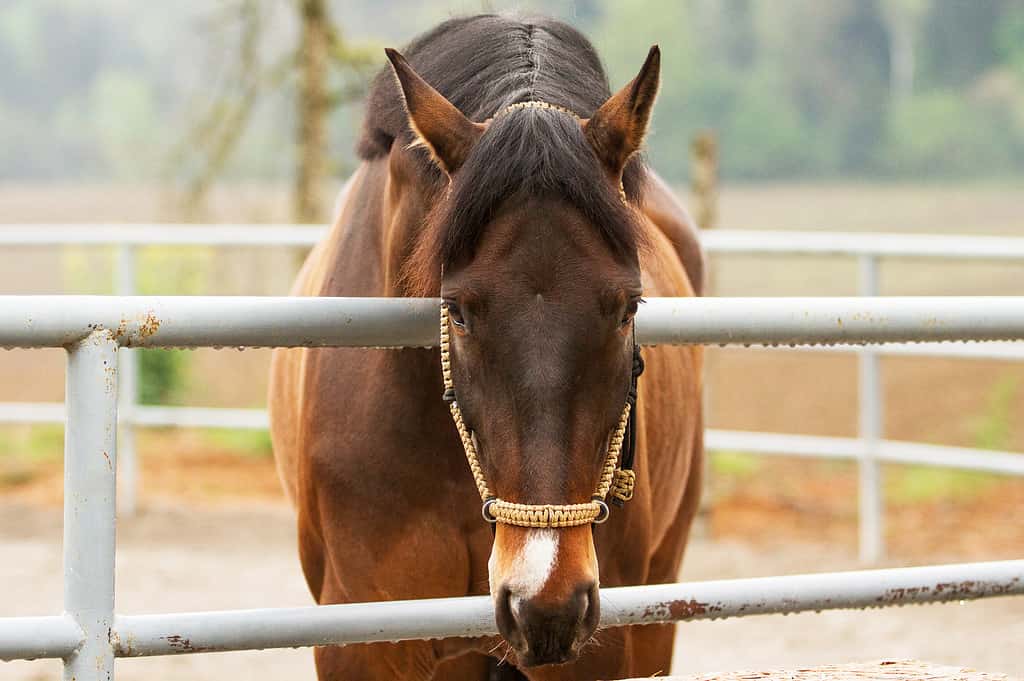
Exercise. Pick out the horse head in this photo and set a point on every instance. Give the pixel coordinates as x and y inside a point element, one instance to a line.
<point>538,241</point>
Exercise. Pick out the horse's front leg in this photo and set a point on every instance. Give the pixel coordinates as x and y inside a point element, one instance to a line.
<point>417,556</point>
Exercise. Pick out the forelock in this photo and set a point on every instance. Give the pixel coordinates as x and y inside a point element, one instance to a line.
<point>534,153</point>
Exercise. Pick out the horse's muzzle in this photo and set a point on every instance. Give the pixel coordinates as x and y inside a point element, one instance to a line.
<point>544,632</point>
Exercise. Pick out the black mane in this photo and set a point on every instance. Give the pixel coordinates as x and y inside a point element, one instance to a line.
<point>483,64</point>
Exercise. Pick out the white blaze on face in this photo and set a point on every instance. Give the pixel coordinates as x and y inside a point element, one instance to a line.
<point>527,572</point>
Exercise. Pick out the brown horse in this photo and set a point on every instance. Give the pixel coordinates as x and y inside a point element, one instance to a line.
<point>514,173</point>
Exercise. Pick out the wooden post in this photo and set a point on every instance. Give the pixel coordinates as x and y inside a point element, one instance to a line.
<point>312,112</point>
<point>704,178</point>
<point>704,187</point>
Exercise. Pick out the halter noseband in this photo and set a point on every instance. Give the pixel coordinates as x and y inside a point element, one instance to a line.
<point>617,476</point>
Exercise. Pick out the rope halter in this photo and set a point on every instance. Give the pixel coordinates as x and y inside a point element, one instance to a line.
<point>618,481</point>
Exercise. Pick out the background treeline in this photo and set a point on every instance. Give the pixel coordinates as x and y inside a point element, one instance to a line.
<point>103,90</point>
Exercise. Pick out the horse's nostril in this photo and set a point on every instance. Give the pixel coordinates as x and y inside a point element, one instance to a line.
<point>592,615</point>
<point>504,617</point>
<point>584,604</point>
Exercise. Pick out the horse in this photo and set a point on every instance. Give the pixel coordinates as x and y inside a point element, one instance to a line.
<point>499,173</point>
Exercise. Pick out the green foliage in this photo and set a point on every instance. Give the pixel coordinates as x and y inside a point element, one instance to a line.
<point>926,484</point>
<point>1010,40</point>
<point>87,270</point>
<point>940,133</point>
<point>993,429</point>
<point>254,443</point>
<point>735,465</point>
<point>44,442</point>
<point>22,448</point>
<point>162,375</point>
<point>167,270</point>
<point>764,136</point>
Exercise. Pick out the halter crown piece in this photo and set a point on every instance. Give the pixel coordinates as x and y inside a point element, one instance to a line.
<point>619,481</point>
<point>540,104</point>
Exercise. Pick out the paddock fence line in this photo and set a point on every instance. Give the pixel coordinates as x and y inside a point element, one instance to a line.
<point>869,449</point>
<point>94,330</point>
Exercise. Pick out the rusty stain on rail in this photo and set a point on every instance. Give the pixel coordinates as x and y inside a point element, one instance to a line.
<point>134,332</point>
<point>184,645</point>
<point>964,590</point>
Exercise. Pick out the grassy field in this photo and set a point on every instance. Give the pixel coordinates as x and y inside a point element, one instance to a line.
<point>967,402</point>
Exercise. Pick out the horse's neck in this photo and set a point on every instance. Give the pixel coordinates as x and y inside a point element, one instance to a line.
<point>377,224</point>
<point>373,231</point>
<point>361,257</point>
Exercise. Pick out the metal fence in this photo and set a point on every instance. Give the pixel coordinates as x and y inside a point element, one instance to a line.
<point>870,449</point>
<point>96,330</point>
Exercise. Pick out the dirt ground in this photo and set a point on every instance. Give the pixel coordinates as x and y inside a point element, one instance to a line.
<point>177,557</point>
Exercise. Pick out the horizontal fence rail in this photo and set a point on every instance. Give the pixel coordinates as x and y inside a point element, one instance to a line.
<point>142,635</point>
<point>726,241</point>
<point>473,616</point>
<point>32,638</point>
<point>205,321</point>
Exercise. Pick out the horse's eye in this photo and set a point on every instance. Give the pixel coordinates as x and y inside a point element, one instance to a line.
<point>455,314</point>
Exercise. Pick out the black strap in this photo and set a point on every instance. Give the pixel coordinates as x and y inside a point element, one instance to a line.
<point>628,456</point>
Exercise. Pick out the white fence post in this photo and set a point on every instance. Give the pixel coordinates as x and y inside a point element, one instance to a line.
<point>871,515</point>
<point>129,391</point>
<point>90,503</point>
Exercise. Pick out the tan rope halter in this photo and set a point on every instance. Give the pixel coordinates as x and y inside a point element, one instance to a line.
<point>613,479</point>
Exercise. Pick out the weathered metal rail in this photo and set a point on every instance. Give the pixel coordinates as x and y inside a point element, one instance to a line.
<point>239,321</point>
<point>219,631</point>
<point>144,635</point>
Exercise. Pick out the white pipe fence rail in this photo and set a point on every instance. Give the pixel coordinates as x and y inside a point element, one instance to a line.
<point>94,331</point>
<point>869,449</point>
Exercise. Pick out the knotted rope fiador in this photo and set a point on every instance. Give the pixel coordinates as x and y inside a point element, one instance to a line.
<point>617,476</point>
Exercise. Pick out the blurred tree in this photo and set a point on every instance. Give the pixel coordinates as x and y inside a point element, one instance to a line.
<point>903,21</point>
<point>960,42</point>
<point>329,71</point>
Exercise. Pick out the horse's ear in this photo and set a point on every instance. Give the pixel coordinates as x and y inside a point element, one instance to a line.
<point>616,131</point>
<point>436,122</point>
